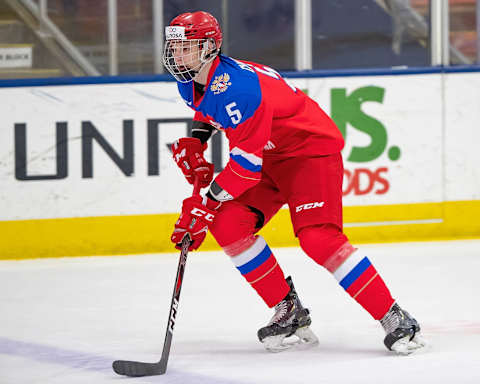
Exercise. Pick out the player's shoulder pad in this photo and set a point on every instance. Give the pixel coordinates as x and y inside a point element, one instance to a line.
<point>235,91</point>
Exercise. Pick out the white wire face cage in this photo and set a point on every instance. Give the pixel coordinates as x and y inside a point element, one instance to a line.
<point>184,59</point>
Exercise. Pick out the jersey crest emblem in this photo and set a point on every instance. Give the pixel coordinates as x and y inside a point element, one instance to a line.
<point>220,84</point>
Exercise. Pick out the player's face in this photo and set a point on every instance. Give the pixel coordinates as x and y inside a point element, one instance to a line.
<point>186,53</point>
<point>185,59</point>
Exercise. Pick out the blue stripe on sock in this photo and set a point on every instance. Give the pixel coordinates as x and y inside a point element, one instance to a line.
<point>256,261</point>
<point>355,273</point>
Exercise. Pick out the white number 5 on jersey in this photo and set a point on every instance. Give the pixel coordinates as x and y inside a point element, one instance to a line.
<point>234,114</point>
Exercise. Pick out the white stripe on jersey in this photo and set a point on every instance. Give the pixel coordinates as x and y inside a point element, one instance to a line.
<point>248,156</point>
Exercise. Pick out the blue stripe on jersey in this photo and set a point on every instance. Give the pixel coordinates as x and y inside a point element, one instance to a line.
<point>244,163</point>
<point>355,273</point>
<point>256,262</point>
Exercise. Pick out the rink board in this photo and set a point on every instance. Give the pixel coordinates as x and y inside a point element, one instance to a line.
<point>85,169</point>
<point>151,233</point>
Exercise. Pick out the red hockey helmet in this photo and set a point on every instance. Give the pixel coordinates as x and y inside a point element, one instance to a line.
<point>199,25</point>
<point>193,40</point>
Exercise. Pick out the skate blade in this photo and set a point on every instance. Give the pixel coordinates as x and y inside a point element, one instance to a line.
<point>305,338</point>
<point>275,344</point>
<point>407,347</point>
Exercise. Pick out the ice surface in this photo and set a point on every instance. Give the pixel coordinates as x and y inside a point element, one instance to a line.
<point>65,320</point>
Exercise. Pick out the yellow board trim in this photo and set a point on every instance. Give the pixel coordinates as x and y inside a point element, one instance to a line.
<point>6,45</point>
<point>114,235</point>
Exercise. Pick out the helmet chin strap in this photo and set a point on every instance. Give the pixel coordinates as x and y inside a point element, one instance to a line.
<point>206,58</point>
<point>197,72</point>
<point>191,73</point>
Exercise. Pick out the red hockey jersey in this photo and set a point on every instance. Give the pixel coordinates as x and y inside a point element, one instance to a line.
<point>262,115</point>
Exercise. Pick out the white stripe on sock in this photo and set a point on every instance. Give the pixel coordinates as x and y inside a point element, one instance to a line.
<point>250,253</point>
<point>348,265</point>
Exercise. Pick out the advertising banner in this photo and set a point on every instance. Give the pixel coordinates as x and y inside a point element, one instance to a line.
<point>96,150</point>
<point>91,163</point>
<point>393,139</point>
<point>15,56</point>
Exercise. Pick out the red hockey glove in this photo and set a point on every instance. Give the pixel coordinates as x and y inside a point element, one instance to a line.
<point>197,214</point>
<point>188,154</point>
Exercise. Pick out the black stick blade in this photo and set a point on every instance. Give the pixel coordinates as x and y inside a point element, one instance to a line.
<point>137,369</point>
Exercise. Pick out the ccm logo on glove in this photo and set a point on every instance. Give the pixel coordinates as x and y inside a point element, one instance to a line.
<point>178,156</point>
<point>197,214</point>
<point>201,213</point>
<point>187,153</point>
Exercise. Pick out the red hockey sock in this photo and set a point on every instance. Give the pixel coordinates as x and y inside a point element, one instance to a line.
<point>233,229</point>
<point>351,267</point>
<point>255,261</point>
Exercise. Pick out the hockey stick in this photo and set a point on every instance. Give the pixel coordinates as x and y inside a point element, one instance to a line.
<point>137,368</point>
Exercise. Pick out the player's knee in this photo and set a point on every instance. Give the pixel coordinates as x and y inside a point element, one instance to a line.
<point>233,222</point>
<point>321,242</point>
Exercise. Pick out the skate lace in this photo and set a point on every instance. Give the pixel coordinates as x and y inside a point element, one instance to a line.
<point>281,310</point>
<point>392,320</point>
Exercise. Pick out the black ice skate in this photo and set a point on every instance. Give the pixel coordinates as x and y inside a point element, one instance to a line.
<point>403,331</point>
<point>290,318</point>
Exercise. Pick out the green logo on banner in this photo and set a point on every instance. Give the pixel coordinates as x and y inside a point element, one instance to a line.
<point>348,109</point>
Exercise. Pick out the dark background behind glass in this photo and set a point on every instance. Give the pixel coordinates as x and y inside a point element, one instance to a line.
<point>346,34</point>
<point>359,34</point>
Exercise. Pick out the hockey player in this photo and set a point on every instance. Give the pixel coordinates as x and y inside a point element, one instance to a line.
<point>283,149</point>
